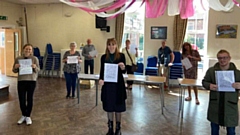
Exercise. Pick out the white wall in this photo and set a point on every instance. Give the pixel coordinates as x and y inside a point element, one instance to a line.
<point>151,46</point>
<point>48,24</point>
<point>215,44</point>
<point>12,11</point>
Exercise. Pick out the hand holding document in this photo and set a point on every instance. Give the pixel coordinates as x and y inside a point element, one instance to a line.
<point>72,59</point>
<point>186,63</point>
<point>93,53</point>
<point>110,72</point>
<point>25,66</point>
<point>224,80</point>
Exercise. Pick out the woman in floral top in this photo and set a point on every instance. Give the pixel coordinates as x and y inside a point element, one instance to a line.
<point>71,69</point>
<point>191,73</point>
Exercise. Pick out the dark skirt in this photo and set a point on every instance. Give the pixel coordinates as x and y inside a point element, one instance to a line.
<point>110,95</point>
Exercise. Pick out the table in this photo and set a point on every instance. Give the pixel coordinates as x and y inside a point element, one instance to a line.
<point>137,78</point>
<point>87,77</point>
<point>183,83</point>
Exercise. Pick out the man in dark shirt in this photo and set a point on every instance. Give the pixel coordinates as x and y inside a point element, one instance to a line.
<point>89,60</point>
<point>165,58</point>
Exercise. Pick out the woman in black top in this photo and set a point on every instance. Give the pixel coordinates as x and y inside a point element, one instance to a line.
<point>71,70</point>
<point>113,95</point>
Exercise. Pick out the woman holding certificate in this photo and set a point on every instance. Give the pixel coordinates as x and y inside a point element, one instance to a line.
<point>190,70</point>
<point>71,68</point>
<point>27,67</point>
<point>113,94</point>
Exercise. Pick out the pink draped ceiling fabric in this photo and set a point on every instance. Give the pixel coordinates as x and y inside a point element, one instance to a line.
<point>154,8</point>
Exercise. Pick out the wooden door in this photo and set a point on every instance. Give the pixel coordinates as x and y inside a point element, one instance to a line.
<point>12,48</point>
<point>2,51</point>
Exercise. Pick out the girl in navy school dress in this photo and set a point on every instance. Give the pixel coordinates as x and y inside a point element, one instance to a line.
<point>113,95</point>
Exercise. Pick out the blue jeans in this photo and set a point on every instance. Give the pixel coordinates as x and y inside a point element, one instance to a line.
<point>71,79</point>
<point>215,130</point>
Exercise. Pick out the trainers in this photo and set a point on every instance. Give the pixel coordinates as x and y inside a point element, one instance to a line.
<point>28,121</point>
<point>21,120</point>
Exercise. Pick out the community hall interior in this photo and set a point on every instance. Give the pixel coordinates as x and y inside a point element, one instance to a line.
<point>51,25</point>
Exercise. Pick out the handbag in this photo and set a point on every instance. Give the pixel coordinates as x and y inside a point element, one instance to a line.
<point>134,66</point>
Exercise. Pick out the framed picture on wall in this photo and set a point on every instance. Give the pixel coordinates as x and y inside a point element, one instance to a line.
<point>158,32</point>
<point>226,31</point>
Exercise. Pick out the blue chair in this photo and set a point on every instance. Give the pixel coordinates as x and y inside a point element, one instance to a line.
<point>151,68</point>
<point>36,52</point>
<point>140,69</point>
<point>52,61</point>
<point>176,70</point>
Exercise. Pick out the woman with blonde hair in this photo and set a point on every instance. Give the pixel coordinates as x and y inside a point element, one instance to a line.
<point>113,94</point>
<point>26,82</point>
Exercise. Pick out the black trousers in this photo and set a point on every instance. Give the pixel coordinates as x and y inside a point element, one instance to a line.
<point>129,71</point>
<point>88,63</point>
<point>25,95</point>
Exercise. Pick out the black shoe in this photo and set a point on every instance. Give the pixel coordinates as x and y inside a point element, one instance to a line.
<point>67,96</point>
<point>118,128</point>
<point>110,128</point>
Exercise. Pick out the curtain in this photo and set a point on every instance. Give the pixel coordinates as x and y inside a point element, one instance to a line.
<point>119,26</point>
<point>179,30</point>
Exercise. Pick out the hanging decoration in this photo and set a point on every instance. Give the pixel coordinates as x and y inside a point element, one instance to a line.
<point>156,8</point>
<point>217,5</point>
<point>173,7</point>
<point>236,3</point>
<point>186,8</point>
<point>93,6</point>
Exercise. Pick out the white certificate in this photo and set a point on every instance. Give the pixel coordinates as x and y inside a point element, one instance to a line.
<point>110,72</point>
<point>186,62</point>
<point>225,79</point>
<point>93,53</point>
<point>25,66</point>
<point>72,59</point>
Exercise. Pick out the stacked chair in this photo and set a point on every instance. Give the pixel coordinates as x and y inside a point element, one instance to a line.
<point>51,62</point>
<point>151,68</point>
<point>176,70</point>
<point>36,52</point>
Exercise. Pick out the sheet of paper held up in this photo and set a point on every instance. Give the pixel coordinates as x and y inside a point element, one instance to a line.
<point>186,62</point>
<point>25,66</point>
<point>72,59</point>
<point>225,79</point>
<point>93,53</point>
<point>110,72</point>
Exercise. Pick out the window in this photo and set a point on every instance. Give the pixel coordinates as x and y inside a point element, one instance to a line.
<point>196,34</point>
<point>134,27</point>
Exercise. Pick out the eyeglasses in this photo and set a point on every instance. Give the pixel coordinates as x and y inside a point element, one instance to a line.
<point>222,58</point>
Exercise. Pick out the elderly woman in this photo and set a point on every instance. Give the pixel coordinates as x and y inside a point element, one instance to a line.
<point>71,69</point>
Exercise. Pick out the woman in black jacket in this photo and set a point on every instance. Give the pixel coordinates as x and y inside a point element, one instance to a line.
<point>113,94</point>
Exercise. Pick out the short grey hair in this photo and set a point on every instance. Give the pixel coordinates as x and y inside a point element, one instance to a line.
<point>73,43</point>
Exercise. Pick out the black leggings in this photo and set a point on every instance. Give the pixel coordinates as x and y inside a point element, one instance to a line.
<point>26,89</point>
<point>129,71</point>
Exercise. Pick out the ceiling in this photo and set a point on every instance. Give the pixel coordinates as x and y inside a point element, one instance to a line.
<point>32,1</point>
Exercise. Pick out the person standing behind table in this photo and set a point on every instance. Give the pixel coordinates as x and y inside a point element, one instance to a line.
<point>191,73</point>
<point>88,60</point>
<point>127,51</point>
<point>223,106</point>
<point>71,70</point>
<point>26,84</point>
<point>165,58</point>
<point>113,95</point>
